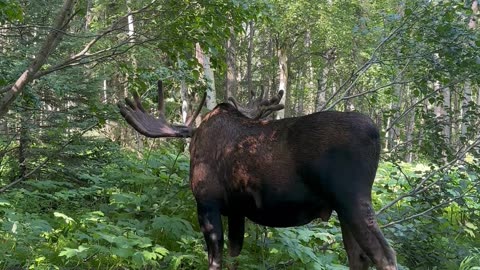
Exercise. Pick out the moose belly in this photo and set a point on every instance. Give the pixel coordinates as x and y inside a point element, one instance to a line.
<point>288,216</point>
<point>286,211</point>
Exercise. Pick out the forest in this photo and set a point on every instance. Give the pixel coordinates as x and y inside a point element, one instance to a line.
<point>81,189</point>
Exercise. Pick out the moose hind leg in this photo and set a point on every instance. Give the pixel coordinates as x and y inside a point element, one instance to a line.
<point>211,225</point>
<point>357,259</point>
<point>359,217</point>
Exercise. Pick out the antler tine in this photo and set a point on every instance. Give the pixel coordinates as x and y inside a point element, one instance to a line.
<point>266,111</point>
<point>274,100</point>
<point>260,108</point>
<point>138,103</point>
<point>233,101</point>
<point>149,125</point>
<point>130,104</point>
<point>262,91</point>
<point>197,112</point>
<point>266,107</point>
<point>161,108</point>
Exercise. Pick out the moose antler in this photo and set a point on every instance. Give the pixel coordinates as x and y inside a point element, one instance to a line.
<point>153,127</point>
<point>259,108</point>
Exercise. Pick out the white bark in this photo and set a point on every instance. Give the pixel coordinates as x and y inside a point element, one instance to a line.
<point>446,106</point>
<point>105,100</point>
<point>131,28</point>
<point>478,96</point>
<point>231,83</point>
<point>321,90</point>
<point>467,98</point>
<point>251,32</point>
<point>88,15</point>
<point>208,75</point>
<point>184,97</point>
<point>283,79</point>
<point>473,20</point>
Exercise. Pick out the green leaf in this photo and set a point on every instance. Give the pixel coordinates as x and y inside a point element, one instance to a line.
<point>74,252</point>
<point>122,252</point>
<point>4,202</point>
<point>471,225</point>
<point>67,219</point>
<point>160,250</point>
<point>138,258</point>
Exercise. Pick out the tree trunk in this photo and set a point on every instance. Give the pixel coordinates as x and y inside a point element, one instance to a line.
<point>131,28</point>
<point>410,127</point>
<point>478,96</point>
<point>348,105</point>
<point>88,15</point>
<point>251,32</point>
<point>131,38</point>
<point>231,85</point>
<point>23,145</point>
<point>467,98</point>
<point>283,79</point>
<point>40,58</point>
<point>321,88</point>
<point>320,100</point>
<point>446,108</point>
<point>204,60</point>
<point>393,133</point>
<point>309,89</point>
<point>301,100</point>
<point>271,78</point>
<point>473,19</point>
<point>184,98</point>
<point>441,111</point>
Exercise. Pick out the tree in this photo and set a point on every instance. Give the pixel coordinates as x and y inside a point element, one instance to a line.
<point>11,92</point>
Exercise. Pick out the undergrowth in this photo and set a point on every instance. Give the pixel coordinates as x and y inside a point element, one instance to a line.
<point>126,211</point>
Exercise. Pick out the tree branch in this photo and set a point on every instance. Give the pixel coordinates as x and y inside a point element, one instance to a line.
<point>430,209</point>
<point>48,46</point>
<point>420,188</point>
<point>395,121</point>
<point>364,68</point>
<point>77,58</point>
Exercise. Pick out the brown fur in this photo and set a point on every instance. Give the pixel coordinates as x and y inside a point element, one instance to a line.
<point>280,173</point>
<point>287,173</point>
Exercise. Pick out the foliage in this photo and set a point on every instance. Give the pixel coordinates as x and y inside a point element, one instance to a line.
<point>10,11</point>
<point>139,213</point>
<point>88,192</point>
<point>130,214</point>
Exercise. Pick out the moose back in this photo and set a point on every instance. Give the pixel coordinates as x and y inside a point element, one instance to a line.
<point>278,173</point>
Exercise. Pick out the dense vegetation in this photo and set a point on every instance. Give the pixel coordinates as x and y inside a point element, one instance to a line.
<point>80,189</point>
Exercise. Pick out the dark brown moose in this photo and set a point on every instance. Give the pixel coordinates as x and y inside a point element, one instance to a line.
<point>278,173</point>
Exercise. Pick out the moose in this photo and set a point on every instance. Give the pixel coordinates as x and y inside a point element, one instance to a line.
<point>278,173</point>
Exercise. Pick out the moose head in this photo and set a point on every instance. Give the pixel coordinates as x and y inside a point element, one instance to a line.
<point>278,173</point>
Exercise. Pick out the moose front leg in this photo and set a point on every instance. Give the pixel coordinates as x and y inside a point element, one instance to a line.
<point>211,226</point>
